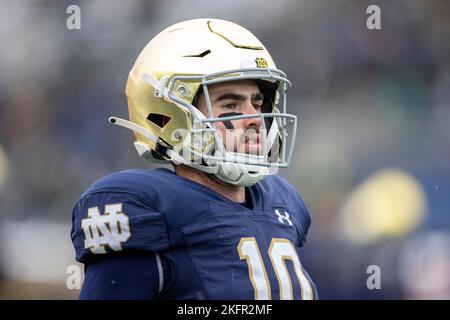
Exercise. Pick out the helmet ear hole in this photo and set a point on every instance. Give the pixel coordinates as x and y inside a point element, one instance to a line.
<point>268,89</point>
<point>158,119</point>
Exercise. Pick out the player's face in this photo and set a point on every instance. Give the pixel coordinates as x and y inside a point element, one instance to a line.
<point>241,97</point>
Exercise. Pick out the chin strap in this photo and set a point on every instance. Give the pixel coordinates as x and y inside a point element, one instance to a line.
<point>162,147</point>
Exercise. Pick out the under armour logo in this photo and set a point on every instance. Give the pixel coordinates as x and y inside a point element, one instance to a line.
<point>283,217</point>
<point>111,228</point>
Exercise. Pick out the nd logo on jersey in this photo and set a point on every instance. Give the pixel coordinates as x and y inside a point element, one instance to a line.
<point>111,228</point>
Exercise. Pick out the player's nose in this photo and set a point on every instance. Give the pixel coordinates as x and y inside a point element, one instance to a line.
<point>254,122</point>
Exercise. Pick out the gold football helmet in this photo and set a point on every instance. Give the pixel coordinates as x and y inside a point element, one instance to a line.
<point>164,83</point>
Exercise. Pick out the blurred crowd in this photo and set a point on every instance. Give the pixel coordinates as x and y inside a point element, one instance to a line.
<point>372,156</point>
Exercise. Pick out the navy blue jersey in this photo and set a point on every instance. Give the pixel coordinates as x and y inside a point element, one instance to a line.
<point>178,239</point>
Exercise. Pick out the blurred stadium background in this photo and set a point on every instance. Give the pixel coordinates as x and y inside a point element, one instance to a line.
<point>373,148</point>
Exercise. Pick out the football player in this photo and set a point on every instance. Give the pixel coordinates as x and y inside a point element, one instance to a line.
<point>206,96</point>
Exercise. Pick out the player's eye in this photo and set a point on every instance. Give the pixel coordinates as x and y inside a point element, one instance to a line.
<point>230,106</point>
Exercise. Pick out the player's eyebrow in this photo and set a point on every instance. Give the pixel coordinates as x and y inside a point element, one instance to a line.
<point>234,96</point>
<point>257,97</point>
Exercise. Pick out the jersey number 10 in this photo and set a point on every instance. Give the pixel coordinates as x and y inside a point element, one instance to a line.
<point>280,250</point>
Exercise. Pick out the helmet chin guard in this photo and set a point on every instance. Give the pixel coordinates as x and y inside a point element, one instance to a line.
<point>241,174</point>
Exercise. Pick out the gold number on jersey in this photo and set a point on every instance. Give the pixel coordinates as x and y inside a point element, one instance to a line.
<point>279,251</point>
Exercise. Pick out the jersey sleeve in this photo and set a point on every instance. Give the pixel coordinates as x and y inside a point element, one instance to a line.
<point>109,222</point>
<point>123,275</point>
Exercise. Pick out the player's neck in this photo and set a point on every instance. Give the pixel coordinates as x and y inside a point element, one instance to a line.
<point>234,193</point>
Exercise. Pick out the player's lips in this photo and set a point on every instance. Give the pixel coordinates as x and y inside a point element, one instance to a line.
<point>252,145</point>
<point>254,140</point>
